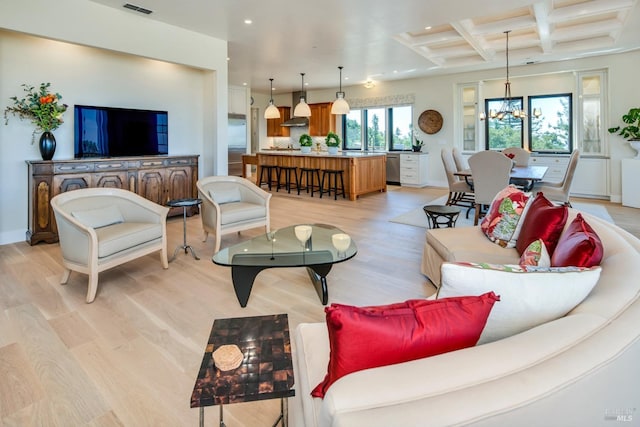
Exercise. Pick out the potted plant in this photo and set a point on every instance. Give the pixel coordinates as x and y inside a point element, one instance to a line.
<point>305,143</point>
<point>333,142</point>
<point>632,131</point>
<point>42,108</point>
<point>417,145</point>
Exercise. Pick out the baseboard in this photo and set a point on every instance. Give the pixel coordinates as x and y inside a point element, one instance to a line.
<point>13,236</point>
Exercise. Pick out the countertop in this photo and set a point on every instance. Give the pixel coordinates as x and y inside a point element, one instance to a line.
<point>323,153</point>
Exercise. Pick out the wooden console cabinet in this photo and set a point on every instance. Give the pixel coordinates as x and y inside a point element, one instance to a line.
<point>157,178</point>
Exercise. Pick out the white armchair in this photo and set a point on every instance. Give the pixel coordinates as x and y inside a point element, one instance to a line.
<point>231,204</point>
<point>100,228</point>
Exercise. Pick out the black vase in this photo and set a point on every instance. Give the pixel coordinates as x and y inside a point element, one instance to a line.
<point>47,145</point>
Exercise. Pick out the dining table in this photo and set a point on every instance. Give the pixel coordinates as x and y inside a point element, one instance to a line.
<point>528,173</point>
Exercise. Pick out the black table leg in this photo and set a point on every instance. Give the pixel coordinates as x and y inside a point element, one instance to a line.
<point>318,274</point>
<point>243,277</point>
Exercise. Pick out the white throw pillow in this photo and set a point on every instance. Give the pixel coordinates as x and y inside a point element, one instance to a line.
<point>96,218</point>
<point>227,195</point>
<point>529,296</point>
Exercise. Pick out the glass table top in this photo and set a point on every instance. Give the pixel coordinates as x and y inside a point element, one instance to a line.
<point>281,248</point>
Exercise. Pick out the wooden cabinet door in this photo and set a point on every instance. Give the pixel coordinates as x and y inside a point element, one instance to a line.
<point>274,127</point>
<point>321,121</point>
<point>178,183</point>
<point>115,179</point>
<point>151,185</point>
<point>64,183</point>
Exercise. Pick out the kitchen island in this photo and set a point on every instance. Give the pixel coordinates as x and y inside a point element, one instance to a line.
<point>363,172</point>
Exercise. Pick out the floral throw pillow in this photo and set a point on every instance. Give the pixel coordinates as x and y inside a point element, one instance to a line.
<point>536,254</point>
<point>503,221</point>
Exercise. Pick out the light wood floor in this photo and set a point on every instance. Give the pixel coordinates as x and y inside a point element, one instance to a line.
<point>132,356</point>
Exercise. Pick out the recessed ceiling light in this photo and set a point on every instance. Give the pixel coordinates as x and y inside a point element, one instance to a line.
<point>395,71</point>
<point>428,28</point>
<point>248,21</point>
<point>244,83</point>
<point>228,59</point>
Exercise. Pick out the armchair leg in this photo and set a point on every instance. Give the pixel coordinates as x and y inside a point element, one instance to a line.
<point>217,248</point>
<point>93,287</point>
<point>65,276</point>
<point>163,257</point>
<point>206,236</point>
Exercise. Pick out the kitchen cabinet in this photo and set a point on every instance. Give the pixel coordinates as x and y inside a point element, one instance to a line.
<point>321,121</point>
<point>237,100</point>
<point>557,166</point>
<point>157,178</point>
<point>630,178</point>
<point>274,127</point>
<point>413,169</point>
<point>591,178</point>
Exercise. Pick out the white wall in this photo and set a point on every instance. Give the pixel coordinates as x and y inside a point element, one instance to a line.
<point>439,93</point>
<point>104,56</point>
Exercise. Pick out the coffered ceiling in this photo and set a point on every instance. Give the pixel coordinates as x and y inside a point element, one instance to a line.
<point>378,40</point>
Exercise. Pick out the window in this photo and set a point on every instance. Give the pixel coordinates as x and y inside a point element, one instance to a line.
<point>551,131</point>
<point>387,128</point>
<point>591,112</point>
<point>501,134</point>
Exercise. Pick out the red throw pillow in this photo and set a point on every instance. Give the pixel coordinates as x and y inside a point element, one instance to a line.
<point>367,337</point>
<point>543,220</point>
<point>579,246</point>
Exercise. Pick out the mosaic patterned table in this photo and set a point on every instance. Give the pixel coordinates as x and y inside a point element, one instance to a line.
<point>266,371</point>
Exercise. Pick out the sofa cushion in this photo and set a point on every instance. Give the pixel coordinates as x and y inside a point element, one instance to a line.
<point>226,195</point>
<point>468,244</point>
<point>530,296</point>
<point>502,222</point>
<point>119,237</point>
<point>367,337</point>
<point>543,221</point>
<point>234,212</point>
<point>579,245</point>
<point>536,254</point>
<point>96,218</point>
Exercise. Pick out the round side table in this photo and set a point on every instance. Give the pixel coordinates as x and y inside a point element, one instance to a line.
<point>441,216</point>
<point>184,204</point>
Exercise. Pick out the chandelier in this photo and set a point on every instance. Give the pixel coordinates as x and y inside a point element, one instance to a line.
<point>507,108</point>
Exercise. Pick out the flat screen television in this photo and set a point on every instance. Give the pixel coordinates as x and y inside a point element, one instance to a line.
<point>119,132</point>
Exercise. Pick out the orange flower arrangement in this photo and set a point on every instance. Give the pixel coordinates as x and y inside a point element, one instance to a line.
<point>40,106</point>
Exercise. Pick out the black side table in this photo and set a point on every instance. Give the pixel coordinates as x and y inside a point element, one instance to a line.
<point>441,216</point>
<point>184,204</point>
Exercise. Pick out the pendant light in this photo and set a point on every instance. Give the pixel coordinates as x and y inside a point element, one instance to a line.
<point>506,109</point>
<point>340,105</point>
<point>272,111</point>
<point>302,109</point>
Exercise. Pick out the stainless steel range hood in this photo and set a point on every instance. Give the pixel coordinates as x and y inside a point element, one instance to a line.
<point>296,121</point>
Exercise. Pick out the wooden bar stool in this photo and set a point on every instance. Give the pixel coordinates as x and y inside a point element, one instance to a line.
<point>309,174</point>
<point>332,173</point>
<point>271,172</point>
<point>288,170</point>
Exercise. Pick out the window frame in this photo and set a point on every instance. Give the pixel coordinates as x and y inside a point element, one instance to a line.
<point>489,120</point>
<point>531,105</point>
<point>388,128</point>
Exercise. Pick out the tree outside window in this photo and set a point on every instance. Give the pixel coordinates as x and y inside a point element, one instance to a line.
<point>551,132</point>
<point>505,133</point>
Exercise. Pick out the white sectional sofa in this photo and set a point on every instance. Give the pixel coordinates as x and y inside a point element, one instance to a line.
<point>579,370</point>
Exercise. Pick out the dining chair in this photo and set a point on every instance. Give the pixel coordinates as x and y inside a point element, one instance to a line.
<point>490,171</point>
<point>461,162</point>
<point>520,155</point>
<point>460,193</point>
<point>559,191</point>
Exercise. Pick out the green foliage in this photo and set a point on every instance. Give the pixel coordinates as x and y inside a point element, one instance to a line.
<point>39,106</point>
<point>632,118</point>
<point>332,140</point>
<point>305,140</point>
<point>555,137</point>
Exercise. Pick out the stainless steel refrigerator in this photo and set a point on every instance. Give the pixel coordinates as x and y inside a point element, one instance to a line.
<point>237,141</point>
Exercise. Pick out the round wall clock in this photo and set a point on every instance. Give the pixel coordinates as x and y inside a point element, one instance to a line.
<point>430,121</point>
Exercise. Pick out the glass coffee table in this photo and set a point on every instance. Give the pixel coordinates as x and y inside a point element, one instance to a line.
<point>281,248</point>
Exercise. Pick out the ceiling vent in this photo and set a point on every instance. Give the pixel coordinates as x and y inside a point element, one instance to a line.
<point>137,8</point>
